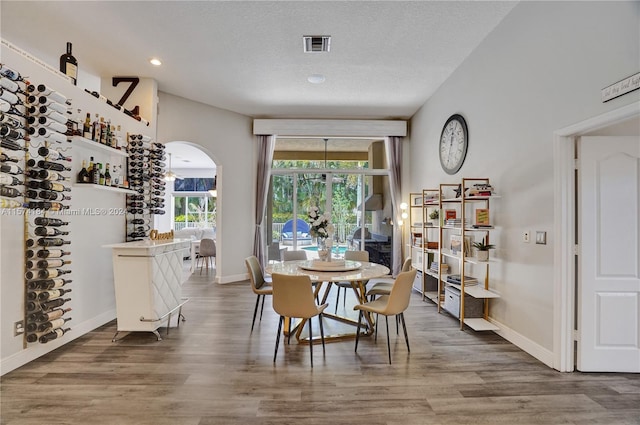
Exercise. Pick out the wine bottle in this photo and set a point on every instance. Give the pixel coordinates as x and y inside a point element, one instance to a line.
<point>48,133</point>
<point>52,125</point>
<point>33,337</point>
<point>6,158</point>
<point>9,132</point>
<point>48,221</point>
<point>48,305</point>
<point>43,90</point>
<point>107,176</point>
<point>53,324</point>
<point>53,176</point>
<point>9,192</point>
<point>7,96</point>
<point>45,284</point>
<point>47,241</point>
<point>53,314</point>
<point>31,327</point>
<point>5,71</point>
<point>31,194</point>
<point>69,65</point>
<point>53,154</point>
<point>49,231</point>
<point>53,262</point>
<point>51,253</point>
<point>83,175</point>
<point>13,145</point>
<point>45,111</point>
<point>52,294</point>
<point>48,165</point>
<point>10,85</point>
<point>45,273</point>
<point>10,168</point>
<point>53,196</point>
<point>9,180</point>
<point>57,333</point>
<point>12,121</point>
<point>49,103</point>
<point>12,109</point>
<point>10,203</point>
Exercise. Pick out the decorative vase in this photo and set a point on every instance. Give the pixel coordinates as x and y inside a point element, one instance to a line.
<point>324,252</point>
<point>483,255</point>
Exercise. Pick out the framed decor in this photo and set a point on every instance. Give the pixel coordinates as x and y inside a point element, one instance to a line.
<point>417,201</point>
<point>625,86</point>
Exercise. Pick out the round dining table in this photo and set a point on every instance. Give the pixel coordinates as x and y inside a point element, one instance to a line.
<point>357,273</point>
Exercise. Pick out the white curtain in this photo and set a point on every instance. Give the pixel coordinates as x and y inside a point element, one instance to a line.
<point>393,147</point>
<point>266,144</point>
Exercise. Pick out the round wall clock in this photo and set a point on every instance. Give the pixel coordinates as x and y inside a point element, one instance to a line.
<point>453,144</point>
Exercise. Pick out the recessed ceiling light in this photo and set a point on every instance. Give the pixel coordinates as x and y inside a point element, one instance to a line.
<point>155,61</point>
<point>316,78</point>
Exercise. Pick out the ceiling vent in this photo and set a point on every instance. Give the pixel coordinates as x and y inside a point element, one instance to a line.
<point>316,43</point>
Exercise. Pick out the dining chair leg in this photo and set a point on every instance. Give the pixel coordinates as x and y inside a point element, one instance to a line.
<point>337,298</point>
<point>262,308</point>
<point>289,331</point>
<point>388,342</point>
<point>255,310</point>
<point>375,339</point>
<point>278,337</point>
<point>358,330</point>
<point>310,342</point>
<point>406,336</point>
<point>397,324</point>
<point>321,331</point>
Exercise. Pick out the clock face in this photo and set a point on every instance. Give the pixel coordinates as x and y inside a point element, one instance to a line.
<point>453,144</point>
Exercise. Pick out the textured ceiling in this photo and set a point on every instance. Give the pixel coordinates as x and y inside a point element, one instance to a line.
<point>386,58</point>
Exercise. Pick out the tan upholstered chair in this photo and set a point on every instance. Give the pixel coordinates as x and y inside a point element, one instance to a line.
<point>393,304</point>
<point>294,255</point>
<point>207,253</point>
<point>259,285</point>
<point>293,297</point>
<point>382,286</point>
<point>352,256</point>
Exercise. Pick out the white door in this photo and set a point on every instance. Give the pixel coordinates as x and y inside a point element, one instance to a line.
<point>609,260</point>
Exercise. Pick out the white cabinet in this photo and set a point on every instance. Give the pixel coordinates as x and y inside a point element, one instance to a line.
<point>148,283</point>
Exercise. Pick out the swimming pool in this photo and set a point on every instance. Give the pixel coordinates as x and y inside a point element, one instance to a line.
<point>336,249</point>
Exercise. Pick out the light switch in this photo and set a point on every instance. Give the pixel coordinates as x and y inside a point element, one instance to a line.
<point>541,238</point>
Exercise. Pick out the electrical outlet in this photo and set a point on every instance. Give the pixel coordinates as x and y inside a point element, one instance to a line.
<point>526,237</point>
<point>18,328</point>
<point>541,238</point>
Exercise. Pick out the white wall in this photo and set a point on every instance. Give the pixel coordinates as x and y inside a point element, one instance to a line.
<point>540,70</point>
<point>227,138</point>
<point>93,300</point>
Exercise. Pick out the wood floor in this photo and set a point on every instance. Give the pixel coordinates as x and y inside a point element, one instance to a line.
<point>211,370</point>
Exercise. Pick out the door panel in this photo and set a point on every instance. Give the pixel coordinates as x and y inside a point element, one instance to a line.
<point>609,239</point>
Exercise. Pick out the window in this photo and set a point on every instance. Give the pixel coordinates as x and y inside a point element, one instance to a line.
<point>197,210</point>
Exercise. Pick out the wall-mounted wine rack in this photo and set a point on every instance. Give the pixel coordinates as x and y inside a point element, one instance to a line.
<point>145,168</point>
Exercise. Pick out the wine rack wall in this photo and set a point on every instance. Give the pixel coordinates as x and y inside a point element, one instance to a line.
<point>34,125</point>
<point>145,168</point>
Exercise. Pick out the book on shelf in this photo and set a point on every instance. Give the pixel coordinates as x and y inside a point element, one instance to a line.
<point>482,217</point>
<point>456,245</point>
<point>435,266</point>
<point>449,214</point>
<point>480,189</point>
<point>457,279</point>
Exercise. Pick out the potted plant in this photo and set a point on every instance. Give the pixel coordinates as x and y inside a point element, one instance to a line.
<point>483,250</point>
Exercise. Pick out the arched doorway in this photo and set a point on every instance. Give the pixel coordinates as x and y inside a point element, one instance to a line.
<point>191,193</point>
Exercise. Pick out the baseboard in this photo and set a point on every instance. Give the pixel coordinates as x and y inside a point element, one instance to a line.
<point>524,343</point>
<point>232,278</point>
<point>35,351</point>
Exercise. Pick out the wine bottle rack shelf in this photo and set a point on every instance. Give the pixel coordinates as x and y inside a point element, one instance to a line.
<point>106,188</point>
<point>97,146</point>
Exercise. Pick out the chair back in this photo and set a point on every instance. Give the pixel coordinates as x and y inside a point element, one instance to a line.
<point>207,248</point>
<point>293,296</point>
<point>294,255</point>
<point>255,272</point>
<point>406,266</point>
<point>400,293</point>
<point>357,256</point>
